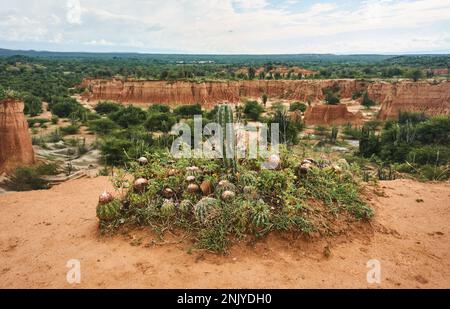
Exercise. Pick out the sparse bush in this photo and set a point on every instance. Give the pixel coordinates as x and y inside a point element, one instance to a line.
<point>26,179</point>
<point>70,130</point>
<point>54,120</point>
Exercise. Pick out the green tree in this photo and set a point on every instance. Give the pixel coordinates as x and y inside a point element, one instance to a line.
<point>188,110</point>
<point>416,74</point>
<point>297,106</point>
<point>331,98</point>
<point>102,126</point>
<point>106,107</point>
<point>160,122</point>
<point>33,105</point>
<point>160,108</point>
<point>366,101</point>
<point>251,73</point>
<point>252,110</point>
<point>264,99</point>
<point>129,116</point>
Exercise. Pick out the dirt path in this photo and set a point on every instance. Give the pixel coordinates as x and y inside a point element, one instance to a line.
<point>41,231</point>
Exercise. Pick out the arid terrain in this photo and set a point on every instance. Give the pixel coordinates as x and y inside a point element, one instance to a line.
<point>42,230</point>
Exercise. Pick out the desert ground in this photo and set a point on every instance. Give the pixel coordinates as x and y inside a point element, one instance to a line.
<point>42,230</point>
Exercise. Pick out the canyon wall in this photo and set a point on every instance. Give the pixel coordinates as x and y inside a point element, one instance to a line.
<point>15,141</point>
<point>210,93</point>
<point>331,115</point>
<point>424,96</point>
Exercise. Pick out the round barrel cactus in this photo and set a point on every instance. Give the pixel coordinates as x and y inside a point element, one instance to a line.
<point>185,206</point>
<point>108,211</point>
<point>168,208</point>
<point>206,207</point>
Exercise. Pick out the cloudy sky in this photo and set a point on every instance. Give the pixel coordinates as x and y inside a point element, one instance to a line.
<point>227,26</point>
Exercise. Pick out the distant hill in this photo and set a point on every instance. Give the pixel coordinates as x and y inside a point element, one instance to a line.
<point>189,58</point>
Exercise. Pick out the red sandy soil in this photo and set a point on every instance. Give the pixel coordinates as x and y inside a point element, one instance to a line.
<point>42,230</point>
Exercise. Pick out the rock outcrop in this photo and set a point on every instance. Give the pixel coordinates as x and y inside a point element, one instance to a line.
<point>425,97</point>
<point>331,115</point>
<point>431,98</point>
<point>15,141</point>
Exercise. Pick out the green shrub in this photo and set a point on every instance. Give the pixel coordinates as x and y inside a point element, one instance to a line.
<point>105,107</point>
<point>350,132</point>
<point>188,110</point>
<point>33,105</point>
<point>67,107</point>
<point>159,122</point>
<point>411,117</point>
<point>429,154</point>
<point>26,179</point>
<point>252,110</point>
<point>47,169</point>
<point>129,116</point>
<point>70,130</point>
<point>366,101</point>
<point>332,95</point>
<point>55,119</point>
<point>114,149</point>
<point>102,126</point>
<point>289,129</point>
<point>297,106</point>
<point>33,121</point>
<point>159,108</point>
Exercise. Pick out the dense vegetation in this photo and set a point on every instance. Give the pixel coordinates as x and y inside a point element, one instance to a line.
<point>417,144</point>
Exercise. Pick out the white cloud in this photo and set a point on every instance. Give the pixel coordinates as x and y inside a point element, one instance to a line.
<point>230,26</point>
<point>73,12</point>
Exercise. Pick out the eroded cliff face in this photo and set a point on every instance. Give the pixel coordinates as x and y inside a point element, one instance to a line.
<point>331,115</point>
<point>15,141</point>
<point>210,93</point>
<point>421,96</point>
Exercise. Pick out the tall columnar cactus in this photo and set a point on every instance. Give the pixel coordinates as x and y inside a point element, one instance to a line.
<point>225,117</point>
<point>334,135</point>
